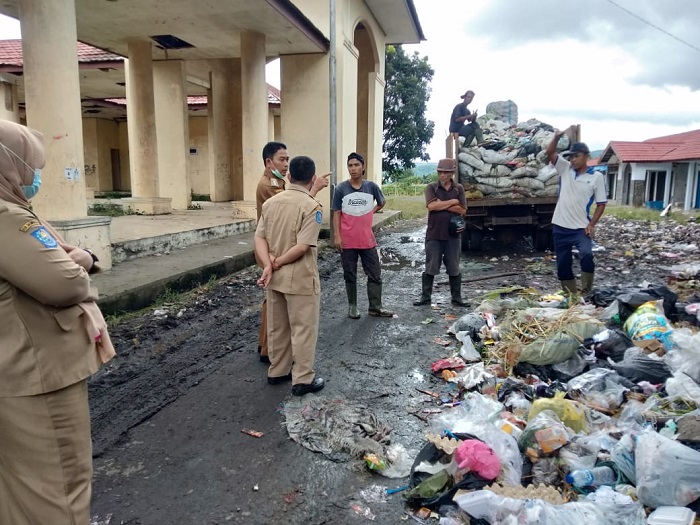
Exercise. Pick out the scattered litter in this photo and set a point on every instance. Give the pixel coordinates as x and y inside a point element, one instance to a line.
<point>253,433</point>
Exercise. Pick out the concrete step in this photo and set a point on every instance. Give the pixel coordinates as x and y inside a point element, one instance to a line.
<point>164,244</point>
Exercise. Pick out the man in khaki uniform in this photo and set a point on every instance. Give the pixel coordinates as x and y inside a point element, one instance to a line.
<point>285,244</point>
<point>273,181</point>
<point>52,337</point>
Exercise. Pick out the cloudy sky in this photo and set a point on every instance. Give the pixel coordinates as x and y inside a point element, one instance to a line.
<point>562,62</point>
<point>567,62</point>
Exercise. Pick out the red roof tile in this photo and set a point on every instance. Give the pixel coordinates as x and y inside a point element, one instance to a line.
<point>273,97</point>
<point>11,54</point>
<point>671,148</point>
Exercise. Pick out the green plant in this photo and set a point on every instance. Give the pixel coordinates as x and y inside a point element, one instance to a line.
<point>113,195</point>
<point>109,210</point>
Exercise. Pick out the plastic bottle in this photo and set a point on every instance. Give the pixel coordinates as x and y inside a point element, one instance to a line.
<point>592,477</point>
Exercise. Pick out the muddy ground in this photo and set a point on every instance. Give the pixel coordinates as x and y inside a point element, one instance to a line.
<point>169,410</point>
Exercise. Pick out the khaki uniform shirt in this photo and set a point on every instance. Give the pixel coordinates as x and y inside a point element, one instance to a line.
<point>267,187</point>
<point>43,342</point>
<point>290,218</point>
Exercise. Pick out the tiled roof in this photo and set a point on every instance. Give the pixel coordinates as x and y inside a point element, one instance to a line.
<point>670,148</point>
<point>11,54</point>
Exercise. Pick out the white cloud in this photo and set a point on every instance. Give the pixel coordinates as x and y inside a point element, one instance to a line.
<point>564,63</point>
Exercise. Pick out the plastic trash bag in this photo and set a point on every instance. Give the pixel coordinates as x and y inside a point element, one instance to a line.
<point>647,322</point>
<point>623,456</point>
<point>603,507</point>
<point>637,366</point>
<point>571,413</point>
<point>478,415</point>
<point>575,365</point>
<point>602,386</point>
<point>560,346</point>
<point>666,470</point>
<point>684,356</point>
<point>471,323</point>
<point>629,302</point>
<point>610,343</point>
<point>544,434</point>
<point>467,352</point>
<point>681,385</point>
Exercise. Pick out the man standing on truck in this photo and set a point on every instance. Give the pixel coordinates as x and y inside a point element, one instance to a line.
<point>463,122</point>
<point>444,199</point>
<point>572,225</point>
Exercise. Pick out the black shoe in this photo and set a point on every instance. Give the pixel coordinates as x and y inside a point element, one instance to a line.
<point>279,379</point>
<point>302,389</point>
<point>458,301</point>
<point>265,359</point>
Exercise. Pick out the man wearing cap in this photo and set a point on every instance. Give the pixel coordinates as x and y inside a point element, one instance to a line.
<point>444,199</point>
<point>355,202</point>
<point>572,225</point>
<point>463,122</point>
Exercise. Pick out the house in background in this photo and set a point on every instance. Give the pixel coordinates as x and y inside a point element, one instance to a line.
<point>656,172</point>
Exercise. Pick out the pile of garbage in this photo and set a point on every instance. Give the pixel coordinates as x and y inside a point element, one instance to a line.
<point>511,162</point>
<point>554,410</point>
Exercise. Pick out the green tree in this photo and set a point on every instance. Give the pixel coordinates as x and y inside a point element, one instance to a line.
<point>406,130</point>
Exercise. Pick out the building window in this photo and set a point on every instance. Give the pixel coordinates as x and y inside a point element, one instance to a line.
<point>194,151</point>
<point>656,185</point>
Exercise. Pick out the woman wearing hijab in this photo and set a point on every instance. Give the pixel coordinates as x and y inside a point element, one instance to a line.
<point>52,338</point>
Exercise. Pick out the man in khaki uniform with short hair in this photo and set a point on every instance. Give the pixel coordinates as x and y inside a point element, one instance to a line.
<point>273,181</point>
<point>285,244</point>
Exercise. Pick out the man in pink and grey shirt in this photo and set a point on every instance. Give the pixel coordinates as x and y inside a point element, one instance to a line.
<point>355,202</point>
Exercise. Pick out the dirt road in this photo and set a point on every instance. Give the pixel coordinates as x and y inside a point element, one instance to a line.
<point>168,412</point>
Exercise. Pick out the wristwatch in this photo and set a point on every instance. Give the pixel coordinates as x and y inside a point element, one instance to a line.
<point>95,259</point>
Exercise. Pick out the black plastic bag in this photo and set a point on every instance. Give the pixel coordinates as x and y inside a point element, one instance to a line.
<point>432,454</point>
<point>629,302</point>
<point>614,346</point>
<point>639,367</point>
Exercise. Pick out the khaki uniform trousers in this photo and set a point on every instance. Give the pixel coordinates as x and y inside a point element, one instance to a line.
<point>292,333</point>
<point>46,458</point>
<point>262,334</point>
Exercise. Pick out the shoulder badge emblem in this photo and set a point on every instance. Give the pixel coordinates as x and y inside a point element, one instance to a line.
<point>319,216</point>
<point>44,237</point>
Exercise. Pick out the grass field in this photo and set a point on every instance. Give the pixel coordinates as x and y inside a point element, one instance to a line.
<point>413,207</point>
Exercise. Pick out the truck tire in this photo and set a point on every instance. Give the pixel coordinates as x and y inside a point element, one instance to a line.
<point>542,240</point>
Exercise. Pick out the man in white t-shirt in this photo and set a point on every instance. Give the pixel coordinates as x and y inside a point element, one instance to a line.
<point>572,224</point>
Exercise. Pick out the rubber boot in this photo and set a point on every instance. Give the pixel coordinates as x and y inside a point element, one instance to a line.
<point>374,294</point>
<point>569,286</point>
<point>426,291</point>
<point>586,282</point>
<point>351,289</point>
<point>456,290</point>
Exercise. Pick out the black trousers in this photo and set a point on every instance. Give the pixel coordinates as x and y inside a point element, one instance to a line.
<point>370,264</point>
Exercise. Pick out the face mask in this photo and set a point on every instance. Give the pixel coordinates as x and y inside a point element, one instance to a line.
<point>277,174</point>
<point>31,191</point>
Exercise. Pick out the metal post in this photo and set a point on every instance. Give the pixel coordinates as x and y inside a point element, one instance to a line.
<point>333,113</point>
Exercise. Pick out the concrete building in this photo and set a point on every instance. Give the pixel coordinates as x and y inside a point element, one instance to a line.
<point>656,172</point>
<point>179,49</point>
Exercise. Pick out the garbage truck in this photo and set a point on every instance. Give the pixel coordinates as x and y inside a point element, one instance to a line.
<point>511,188</point>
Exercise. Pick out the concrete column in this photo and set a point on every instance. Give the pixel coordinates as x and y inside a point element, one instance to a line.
<point>52,95</point>
<point>375,128</point>
<point>254,99</point>
<point>91,155</point>
<point>173,132</point>
<point>348,121</point>
<point>141,121</point>
<point>224,130</point>
<point>304,80</point>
